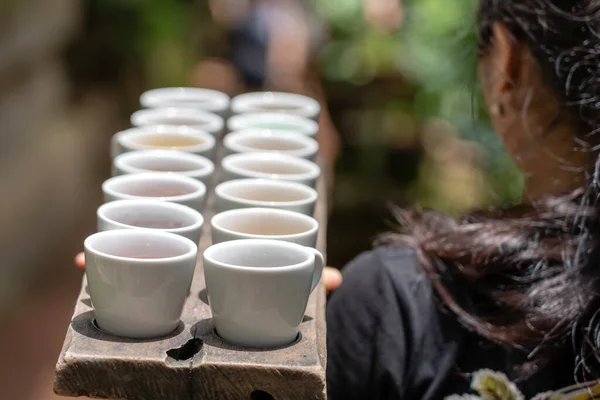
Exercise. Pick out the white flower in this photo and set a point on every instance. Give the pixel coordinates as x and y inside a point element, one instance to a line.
<point>492,385</point>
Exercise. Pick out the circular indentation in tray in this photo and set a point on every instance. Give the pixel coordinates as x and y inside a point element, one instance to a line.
<point>178,329</point>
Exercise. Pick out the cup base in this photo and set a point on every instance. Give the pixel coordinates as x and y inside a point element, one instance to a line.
<point>156,331</point>
<point>259,343</point>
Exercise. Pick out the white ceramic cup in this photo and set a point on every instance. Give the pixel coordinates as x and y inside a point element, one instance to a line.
<point>150,214</point>
<point>264,223</point>
<point>172,161</point>
<point>159,186</point>
<point>203,99</point>
<point>264,140</point>
<point>289,103</point>
<point>199,119</point>
<point>182,138</point>
<point>138,280</point>
<point>270,166</point>
<point>265,193</point>
<point>258,289</point>
<point>273,121</point>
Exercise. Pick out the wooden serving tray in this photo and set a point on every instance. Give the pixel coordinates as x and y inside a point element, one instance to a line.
<point>193,362</point>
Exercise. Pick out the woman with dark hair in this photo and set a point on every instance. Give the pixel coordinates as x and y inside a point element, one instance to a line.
<point>515,291</point>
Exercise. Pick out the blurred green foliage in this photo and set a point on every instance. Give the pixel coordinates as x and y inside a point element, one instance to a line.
<point>155,38</point>
<point>435,49</point>
<point>166,45</point>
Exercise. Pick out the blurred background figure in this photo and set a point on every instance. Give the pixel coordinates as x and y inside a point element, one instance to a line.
<point>273,45</point>
<point>402,122</point>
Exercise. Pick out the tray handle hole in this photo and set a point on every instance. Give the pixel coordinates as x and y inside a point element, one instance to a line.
<point>187,351</point>
<point>260,395</point>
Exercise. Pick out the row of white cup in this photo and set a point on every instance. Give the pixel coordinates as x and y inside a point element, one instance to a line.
<point>200,142</point>
<point>133,155</point>
<point>214,124</point>
<point>235,223</point>
<point>116,260</point>
<point>193,109</point>
<point>265,165</point>
<point>220,104</point>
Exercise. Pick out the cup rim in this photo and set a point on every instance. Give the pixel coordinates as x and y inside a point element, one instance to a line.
<point>313,170</point>
<point>214,221</point>
<point>309,145</point>
<point>192,247</point>
<point>244,103</point>
<point>306,126</point>
<point>124,138</point>
<point>120,162</point>
<point>193,214</point>
<point>149,176</point>
<point>214,100</point>
<point>207,121</point>
<point>223,186</point>
<point>209,254</point>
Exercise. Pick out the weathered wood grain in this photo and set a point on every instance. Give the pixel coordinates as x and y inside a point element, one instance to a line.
<point>96,364</point>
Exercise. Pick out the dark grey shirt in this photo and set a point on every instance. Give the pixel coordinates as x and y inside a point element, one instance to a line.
<point>388,338</point>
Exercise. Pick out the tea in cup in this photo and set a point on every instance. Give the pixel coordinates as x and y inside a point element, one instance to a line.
<point>273,121</point>
<point>159,186</point>
<point>180,138</point>
<point>264,140</point>
<point>270,166</point>
<point>265,193</point>
<point>177,162</point>
<point>264,223</point>
<point>289,103</point>
<point>201,99</point>
<point>206,121</point>
<point>151,214</point>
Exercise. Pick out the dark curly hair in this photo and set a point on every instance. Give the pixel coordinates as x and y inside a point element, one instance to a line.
<point>529,276</point>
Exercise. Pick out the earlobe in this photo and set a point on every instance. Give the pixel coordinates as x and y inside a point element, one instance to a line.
<point>497,109</point>
<point>506,57</point>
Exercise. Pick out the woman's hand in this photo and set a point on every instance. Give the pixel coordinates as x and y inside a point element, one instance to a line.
<point>80,261</point>
<point>332,278</point>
